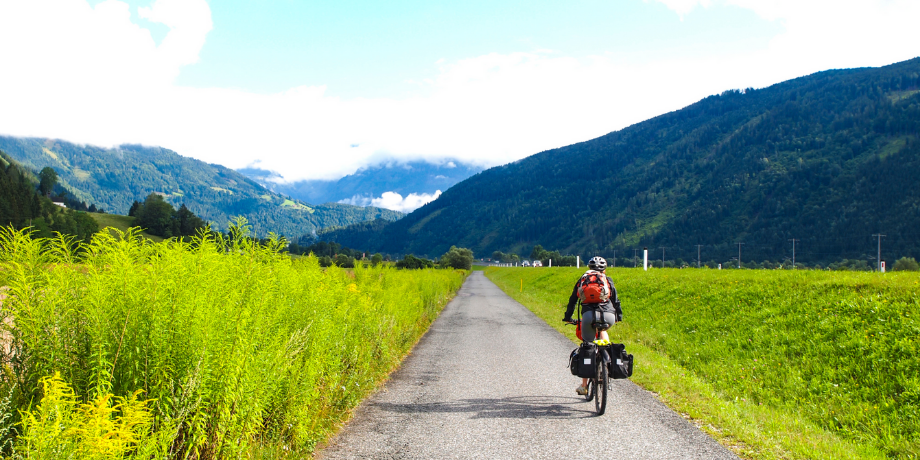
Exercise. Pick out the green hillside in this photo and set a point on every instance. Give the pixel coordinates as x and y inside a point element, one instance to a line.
<point>115,178</point>
<point>23,205</point>
<point>120,222</point>
<point>828,159</point>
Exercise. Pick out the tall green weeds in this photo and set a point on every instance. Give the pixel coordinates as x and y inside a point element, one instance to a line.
<point>232,344</point>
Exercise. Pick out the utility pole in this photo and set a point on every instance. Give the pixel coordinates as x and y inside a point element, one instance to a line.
<point>662,257</point>
<point>614,258</point>
<point>635,258</point>
<point>880,236</point>
<point>793,252</point>
<point>698,255</point>
<point>739,255</point>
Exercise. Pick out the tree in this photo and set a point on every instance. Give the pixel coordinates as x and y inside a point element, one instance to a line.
<point>460,258</point>
<point>159,218</point>
<point>156,216</point>
<point>134,207</point>
<point>189,223</point>
<point>537,253</point>
<point>344,261</point>
<point>47,179</point>
<point>414,263</point>
<point>906,264</point>
<point>376,259</point>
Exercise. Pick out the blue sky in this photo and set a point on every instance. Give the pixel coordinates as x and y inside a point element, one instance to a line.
<point>376,49</point>
<point>318,89</point>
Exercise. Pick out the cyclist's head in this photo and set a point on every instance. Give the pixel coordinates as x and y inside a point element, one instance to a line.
<point>597,263</point>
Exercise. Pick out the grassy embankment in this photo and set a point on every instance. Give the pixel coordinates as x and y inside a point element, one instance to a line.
<point>774,364</point>
<point>120,222</point>
<point>207,349</point>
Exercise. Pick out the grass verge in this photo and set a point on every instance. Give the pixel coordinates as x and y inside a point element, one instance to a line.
<point>774,365</point>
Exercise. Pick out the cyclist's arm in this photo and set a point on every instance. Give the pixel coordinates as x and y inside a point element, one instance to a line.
<point>615,300</point>
<point>573,299</point>
<point>613,294</point>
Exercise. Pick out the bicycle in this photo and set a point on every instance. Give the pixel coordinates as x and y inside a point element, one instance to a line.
<point>599,383</point>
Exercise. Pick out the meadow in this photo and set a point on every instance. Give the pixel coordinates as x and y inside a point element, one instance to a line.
<point>120,222</point>
<point>774,364</point>
<point>217,347</point>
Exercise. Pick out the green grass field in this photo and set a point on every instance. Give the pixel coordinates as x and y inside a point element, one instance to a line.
<point>775,364</point>
<point>122,223</point>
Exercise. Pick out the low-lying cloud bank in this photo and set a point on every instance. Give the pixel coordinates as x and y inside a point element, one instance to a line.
<point>394,201</point>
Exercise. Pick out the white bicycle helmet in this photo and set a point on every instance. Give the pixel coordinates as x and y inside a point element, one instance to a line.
<point>597,263</point>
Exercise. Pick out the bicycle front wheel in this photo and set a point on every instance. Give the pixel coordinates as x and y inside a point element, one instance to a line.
<point>600,388</point>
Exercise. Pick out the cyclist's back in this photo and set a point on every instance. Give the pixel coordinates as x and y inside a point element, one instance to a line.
<point>599,303</point>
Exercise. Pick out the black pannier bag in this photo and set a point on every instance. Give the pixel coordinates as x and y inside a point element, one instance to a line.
<point>573,362</point>
<point>581,361</point>
<point>621,363</point>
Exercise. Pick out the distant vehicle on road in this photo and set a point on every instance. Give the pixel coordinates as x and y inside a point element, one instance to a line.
<point>525,263</point>
<point>537,263</point>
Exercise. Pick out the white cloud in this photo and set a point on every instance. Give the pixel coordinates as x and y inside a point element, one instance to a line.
<point>823,34</point>
<point>394,201</point>
<point>189,23</point>
<point>91,75</point>
<point>683,7</point>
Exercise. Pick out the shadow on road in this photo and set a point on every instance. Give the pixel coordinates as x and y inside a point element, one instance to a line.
<point>521,407</point>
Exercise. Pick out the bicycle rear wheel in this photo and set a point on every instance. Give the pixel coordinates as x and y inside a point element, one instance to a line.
<point>600,388</point>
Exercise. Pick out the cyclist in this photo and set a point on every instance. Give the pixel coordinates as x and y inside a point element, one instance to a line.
<point>601,311</point>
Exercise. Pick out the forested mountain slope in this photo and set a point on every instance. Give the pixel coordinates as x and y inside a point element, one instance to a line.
<point>828,159</point>
<point>115,178</point>
<point>22,205</point>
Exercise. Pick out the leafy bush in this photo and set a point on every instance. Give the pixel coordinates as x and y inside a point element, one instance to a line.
<point>906,264</point>
<point>414,263</point>
<point>344,261</point>
<point>459,258</point>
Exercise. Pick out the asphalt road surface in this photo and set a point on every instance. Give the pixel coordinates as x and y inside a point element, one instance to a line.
<point>490,380</point>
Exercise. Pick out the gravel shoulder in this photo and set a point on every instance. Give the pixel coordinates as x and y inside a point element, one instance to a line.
<point>490,380</point>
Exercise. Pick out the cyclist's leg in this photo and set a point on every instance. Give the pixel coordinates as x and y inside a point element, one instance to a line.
<point>587,329</point>
<point>609,318</point>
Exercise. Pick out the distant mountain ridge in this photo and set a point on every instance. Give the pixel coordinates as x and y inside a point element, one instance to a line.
<point>370,182</point>
<point>115,178</point>
<point>828,160</point>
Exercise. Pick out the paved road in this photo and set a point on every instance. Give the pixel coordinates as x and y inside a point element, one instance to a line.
<point>489,380</point>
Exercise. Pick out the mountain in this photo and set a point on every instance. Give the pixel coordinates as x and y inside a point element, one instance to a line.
<point>22,205</point>
<point>827,159</point>
<point>115,178</point>
<point>371,182</point>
